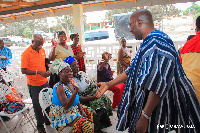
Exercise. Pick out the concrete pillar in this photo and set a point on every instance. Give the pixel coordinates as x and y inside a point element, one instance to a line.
<point>78,21</point>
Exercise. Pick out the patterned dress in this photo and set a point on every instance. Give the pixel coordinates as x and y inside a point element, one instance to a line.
<point>76,50</point>
<point>126,58</point>
<point>157,68</point>
<point>61,117</point>
<point>102,105</point>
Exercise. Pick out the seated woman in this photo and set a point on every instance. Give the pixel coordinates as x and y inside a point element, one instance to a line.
<point>66,109</point>
<point>102,106</point>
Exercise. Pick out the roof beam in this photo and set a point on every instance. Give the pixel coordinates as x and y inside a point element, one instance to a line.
<point>13,17</point>
<point>39,5</point>
<point>104,2</point>
<point>17,3</point>
<point>50,9</point>
<point>30,14</point>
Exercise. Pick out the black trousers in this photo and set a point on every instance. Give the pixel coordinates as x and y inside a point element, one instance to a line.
<point>34,93</point>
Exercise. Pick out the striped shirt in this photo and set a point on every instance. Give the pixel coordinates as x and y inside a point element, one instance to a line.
<point>76,50</point>
<point>157,68</point>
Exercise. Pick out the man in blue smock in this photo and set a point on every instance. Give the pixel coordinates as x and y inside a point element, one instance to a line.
<point>158,97</point>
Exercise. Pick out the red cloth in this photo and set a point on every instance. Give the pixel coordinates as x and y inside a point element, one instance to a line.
<point>118,92</point>
<point>76,50</point>
<point>193,45</point>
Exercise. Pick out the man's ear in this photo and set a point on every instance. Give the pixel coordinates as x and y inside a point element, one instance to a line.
<point>139,23</point>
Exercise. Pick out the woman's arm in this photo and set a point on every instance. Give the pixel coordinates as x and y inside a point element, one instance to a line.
<point>100,67</point>
<point>120,57</point>
<point>52,55</point>
<point>88,98</point>
<point>81,110</point>
<point>105,86</point>
<point>66,102</point>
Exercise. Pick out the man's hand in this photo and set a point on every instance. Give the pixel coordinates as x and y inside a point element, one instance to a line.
<point>141,125</point>
<point>104,87</point>
<point>44,73</point>
<point>4,58</point>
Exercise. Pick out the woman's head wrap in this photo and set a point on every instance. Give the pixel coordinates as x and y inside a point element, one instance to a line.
<point>73,35</point>
<point>60,33</point>
<point>69,60</point>
<point>57,66</point>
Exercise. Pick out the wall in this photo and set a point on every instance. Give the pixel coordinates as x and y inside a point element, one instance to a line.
<point>92,58</point>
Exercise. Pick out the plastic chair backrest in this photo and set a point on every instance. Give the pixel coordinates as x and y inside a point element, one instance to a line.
<point>45,99</point>
<point>20,85</point>
<point>8,76</point>
<point>5,90</point>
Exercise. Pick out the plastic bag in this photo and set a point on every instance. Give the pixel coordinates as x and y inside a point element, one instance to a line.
<point>10,97</point>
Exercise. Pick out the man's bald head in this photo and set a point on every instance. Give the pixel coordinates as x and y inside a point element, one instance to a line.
<point>141,24</point>
<point>37,37</point>
<point>143,15</point>
<point>37,42</point>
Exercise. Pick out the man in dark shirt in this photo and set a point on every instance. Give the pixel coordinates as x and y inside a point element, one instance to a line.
<point>104,74</point>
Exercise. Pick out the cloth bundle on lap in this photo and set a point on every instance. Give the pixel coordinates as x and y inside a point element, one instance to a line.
<point>13,107</point>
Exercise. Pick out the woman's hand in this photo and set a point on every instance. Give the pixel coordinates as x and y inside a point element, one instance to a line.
<point>81,54</point>
<point>104,87</point>
<point>94,96</point>
<point>74,84</point>
<point>83,113</point>
<point>54,43</point>
<point>141,125</point>
<point>4,58</point>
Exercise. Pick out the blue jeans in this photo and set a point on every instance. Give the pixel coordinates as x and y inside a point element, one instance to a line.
<point>34,93</point>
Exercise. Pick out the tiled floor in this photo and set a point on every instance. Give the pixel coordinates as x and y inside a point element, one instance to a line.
<point>27,128</point>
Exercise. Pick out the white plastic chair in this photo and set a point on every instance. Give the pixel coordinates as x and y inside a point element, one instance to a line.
<point>45,100</point>
<point>7,76</point>
<point>20,85</point>
<point>5,90</point>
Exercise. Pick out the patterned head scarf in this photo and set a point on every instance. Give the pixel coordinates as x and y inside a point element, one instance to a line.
<point>57,66</point>
<point>60,33</point>
<point>73,35</point>
<point>69,60</point>
<point>120,39</point>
